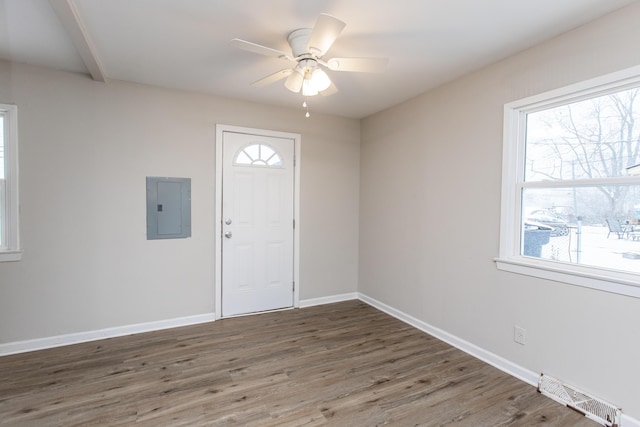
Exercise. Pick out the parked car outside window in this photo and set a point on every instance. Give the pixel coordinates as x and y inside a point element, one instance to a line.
<point>559,226</point>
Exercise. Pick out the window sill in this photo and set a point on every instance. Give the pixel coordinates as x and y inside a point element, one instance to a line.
<point>7,256</point>
<point>602,280</point>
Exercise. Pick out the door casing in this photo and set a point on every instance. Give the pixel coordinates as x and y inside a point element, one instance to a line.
<point>220,129</point>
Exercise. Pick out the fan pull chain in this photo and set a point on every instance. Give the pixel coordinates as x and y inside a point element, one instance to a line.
<point>306,105</point>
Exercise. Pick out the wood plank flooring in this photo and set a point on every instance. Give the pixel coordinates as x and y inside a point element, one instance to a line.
<point>344,364</point>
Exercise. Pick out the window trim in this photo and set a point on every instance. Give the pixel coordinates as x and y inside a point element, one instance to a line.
<point>513,153</point>
<point>12,251</point>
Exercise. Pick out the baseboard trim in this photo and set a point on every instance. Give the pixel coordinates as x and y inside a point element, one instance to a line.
<point>119,331</point>
<point>492,359</point>
<point>328,300</point>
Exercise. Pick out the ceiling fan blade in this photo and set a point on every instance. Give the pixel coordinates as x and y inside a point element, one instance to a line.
<point>330,90</point>
<point>324,33</point>
<point>271,78</point>
<point>259,49</point>
<point>363,65</point>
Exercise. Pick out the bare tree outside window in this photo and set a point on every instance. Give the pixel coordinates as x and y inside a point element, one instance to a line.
<point>594,139</point>
<point>571,184</point>
<point>579,204</point>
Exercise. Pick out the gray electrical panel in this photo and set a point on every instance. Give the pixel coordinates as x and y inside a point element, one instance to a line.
<point>168,208</point>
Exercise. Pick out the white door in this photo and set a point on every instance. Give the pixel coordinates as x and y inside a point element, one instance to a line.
<point>257,223</point>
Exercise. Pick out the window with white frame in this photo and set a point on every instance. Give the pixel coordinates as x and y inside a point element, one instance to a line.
<point>261,155</point>
<point>9,241</point>
<point>571,185</point>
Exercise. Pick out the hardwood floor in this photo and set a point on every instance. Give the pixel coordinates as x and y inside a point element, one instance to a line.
<point>344,364</point>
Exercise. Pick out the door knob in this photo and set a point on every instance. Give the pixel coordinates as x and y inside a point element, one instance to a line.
<point>227,221</point>
<point>227,234</point>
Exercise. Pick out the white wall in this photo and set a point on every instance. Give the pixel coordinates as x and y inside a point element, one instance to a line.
<point>85,150</point>
<point>430,208</point>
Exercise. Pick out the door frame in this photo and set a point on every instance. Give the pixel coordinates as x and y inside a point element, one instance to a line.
<point>220,129</point>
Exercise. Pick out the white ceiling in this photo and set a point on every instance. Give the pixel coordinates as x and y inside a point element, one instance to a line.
<point>183,44</point>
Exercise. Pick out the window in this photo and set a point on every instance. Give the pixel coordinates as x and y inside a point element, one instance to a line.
<point>571,185</point>
<point>258,155</point>
<point>9,243</point>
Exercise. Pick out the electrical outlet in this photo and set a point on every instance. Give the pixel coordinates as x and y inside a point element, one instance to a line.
<point>519,335</point>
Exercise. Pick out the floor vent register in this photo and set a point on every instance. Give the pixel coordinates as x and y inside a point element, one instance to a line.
<point>591,407</point>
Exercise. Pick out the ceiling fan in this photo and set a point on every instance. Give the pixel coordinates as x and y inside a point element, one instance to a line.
<point>308,46</point>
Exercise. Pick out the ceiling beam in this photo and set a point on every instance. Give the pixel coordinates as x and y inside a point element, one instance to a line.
<point>72,21</point>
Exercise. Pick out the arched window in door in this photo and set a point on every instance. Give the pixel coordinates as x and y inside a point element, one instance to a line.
<point>260,155</point>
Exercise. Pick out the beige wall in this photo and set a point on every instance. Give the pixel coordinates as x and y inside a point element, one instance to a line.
<point>85,150</point>
<point>429,172</point>
<point>430,208</point>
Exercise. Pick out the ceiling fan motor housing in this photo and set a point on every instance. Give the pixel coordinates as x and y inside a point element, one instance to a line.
<point>298,40</point>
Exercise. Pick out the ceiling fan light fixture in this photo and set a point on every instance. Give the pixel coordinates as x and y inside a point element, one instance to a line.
<point>320,80</point>
<point>308,47</point>
<point>309,88</point>
<point>295,81</point>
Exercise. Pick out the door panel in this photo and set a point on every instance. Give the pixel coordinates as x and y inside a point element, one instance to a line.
<point>257,228</point>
